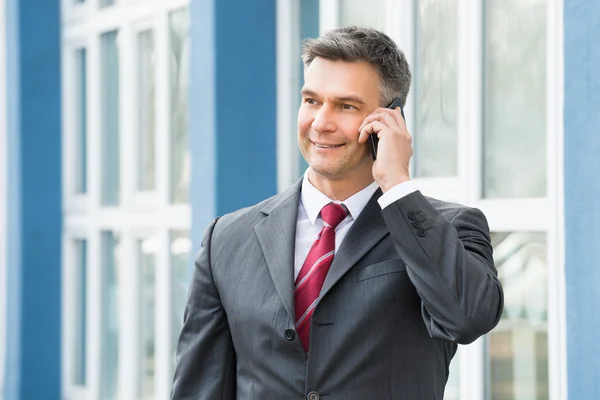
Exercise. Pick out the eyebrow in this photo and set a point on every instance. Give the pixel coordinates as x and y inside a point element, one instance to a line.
<point>339,99</point>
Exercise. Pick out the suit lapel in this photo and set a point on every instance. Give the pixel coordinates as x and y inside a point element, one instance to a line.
<point>276,235</point>
<point>365,233</point>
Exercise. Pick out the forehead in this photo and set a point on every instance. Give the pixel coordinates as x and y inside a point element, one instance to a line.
<point>342,78</point>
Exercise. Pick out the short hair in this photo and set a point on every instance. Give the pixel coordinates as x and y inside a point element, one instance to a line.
<point>355,44</point>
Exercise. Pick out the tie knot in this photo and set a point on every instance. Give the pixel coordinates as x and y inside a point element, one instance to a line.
<point>333,214</point>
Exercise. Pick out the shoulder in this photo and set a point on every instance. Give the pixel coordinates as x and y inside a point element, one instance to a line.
<point>241,222</point>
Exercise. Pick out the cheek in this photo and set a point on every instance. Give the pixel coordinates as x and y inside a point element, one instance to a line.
<point>350,129</point>
<point>304,121</point>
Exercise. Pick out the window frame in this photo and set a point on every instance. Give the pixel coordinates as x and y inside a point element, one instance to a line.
<point>544,214</point>
<point>138,214</point>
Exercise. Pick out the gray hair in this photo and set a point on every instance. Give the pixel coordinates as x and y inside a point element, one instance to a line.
<point>354,44</point>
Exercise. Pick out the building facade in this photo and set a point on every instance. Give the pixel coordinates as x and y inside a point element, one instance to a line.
<point>127,125</point>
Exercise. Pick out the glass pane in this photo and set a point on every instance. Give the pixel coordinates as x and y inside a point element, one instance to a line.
<point>147,250</point>
<point>180,250</point>
<point>110,317</point>
<point>518,346</point>
<point>81,123</point>
<point>363,13</point>
<point>110,119</point>
<point>435,89</point>
<point>514,152</point>
<point>452,386</point>
<point>146,113</point>
<point>80,307</point>
<point>180,61</point>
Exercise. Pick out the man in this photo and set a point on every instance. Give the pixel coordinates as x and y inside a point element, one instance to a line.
<point>351,284</point>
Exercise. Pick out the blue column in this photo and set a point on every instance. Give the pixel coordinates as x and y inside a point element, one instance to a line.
<point>582,195</point>
<point>34,200</point>
<point>233,107</point>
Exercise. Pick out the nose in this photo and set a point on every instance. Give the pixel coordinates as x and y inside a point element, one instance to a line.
<point>324,120</point>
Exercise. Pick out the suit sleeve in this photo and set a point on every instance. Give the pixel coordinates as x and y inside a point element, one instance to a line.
<point>205,355</point>
<point>450,263</point>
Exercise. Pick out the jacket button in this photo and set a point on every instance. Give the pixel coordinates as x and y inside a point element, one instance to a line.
<point>313,396</point>
<point>416,224</point>
<point>289,334</point>
<point>421,232</point>
<point>412,215</point>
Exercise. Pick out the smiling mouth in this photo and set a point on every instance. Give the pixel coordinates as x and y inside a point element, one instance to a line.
<point>326,146</point>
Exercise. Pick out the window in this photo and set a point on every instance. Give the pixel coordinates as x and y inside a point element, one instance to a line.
<point>514,151</point>
<point>146,168</point>
<point>147,250</point>
<point>481,111</point>
<point>518,347</point>
<point>179,69</point>
<point>112,291</point>
<point>110,118</point>
<point>126,178</point>
<point>180,249</point>
<point>81,122</point>
<point>80,313</point>
<point>435,89</point>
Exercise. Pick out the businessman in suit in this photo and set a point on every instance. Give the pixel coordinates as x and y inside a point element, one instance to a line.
<point>351,284</point>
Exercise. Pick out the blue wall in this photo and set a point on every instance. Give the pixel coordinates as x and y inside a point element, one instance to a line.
<point>34,201</point>
<point>582,195</point>
<point>233,107</point>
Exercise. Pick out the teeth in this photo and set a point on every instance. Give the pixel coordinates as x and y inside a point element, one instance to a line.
<point>327,147</point>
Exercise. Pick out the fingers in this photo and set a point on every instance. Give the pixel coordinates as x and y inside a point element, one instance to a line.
<point>380,116</point>
<point>373,127</point>
<point>397,114</point>
<point>390,117</point>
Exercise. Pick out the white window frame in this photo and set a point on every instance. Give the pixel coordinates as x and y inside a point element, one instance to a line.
<point>138,214</point>
<point>3,193</point>
<point>535,215</point>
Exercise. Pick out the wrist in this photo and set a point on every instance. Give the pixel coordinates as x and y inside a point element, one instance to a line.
<point>386,184</point>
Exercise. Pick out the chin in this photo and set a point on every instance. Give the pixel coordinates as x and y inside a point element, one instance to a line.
<point>327,171</point>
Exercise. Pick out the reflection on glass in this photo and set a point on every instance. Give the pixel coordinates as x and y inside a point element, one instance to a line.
<point>80,307</point>
<point>146,112</point>
<point>363,13</point>
<point>436,81</point>
<point>81,122</point>
<point>514,152</point>
<point>109,388</point>
<point>180,250</point>
<point>452,386</point>
<point>147,250</point>
<point>105,3</point>
<point>110,119</point>
<point>179,22</point>
<point>518,346</point>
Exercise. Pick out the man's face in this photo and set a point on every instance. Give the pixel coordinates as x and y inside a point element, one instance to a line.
<point>336,97</point>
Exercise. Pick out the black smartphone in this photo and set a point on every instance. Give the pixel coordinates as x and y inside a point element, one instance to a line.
<point>373,139</point>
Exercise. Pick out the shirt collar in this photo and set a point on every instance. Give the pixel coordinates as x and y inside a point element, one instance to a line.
<point>313,200</point>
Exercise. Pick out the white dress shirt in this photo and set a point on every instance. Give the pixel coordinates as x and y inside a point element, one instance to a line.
<point>309,222</point>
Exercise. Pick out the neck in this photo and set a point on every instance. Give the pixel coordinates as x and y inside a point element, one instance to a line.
<point>342,188</point>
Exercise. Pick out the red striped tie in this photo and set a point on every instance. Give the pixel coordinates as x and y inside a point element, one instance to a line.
<point>315,268</point>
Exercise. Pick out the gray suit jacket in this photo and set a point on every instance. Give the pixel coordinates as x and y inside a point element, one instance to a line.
<point>407,284</point>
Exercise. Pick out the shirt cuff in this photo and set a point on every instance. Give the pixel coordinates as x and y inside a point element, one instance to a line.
<point>396,193</point>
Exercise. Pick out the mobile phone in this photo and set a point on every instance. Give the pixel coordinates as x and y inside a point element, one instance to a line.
<point>373,139</point>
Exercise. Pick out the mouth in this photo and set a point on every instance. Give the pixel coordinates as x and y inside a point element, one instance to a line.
<point>326,146</point>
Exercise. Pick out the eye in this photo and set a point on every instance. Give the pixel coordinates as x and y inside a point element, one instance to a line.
<point>309,100</point>
<point>348,107</point>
